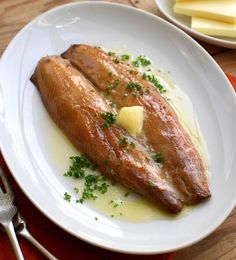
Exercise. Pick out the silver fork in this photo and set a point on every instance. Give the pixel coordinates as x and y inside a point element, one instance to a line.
<point>7,212</point>
<point>19,224</point>
<point>14,223</point>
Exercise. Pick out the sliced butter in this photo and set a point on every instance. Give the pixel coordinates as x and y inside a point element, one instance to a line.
<point>131,118</point>
<point>178,1</point>
<point>222,10</point>
<point>212,27</point>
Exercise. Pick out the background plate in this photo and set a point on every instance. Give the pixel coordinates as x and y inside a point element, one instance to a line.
<point>184,22</point>
<point>23,130</point>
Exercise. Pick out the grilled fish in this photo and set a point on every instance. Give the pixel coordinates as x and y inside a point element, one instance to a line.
<point>163,131</point>
<point>78,108</point>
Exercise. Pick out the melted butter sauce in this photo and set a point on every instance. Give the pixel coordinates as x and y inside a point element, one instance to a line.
<point>132,208</point>
<point>183,107</point>
<point>114,203</point>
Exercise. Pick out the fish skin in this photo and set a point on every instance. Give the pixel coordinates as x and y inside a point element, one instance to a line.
<point>76,106</point>
<point>162,128</point>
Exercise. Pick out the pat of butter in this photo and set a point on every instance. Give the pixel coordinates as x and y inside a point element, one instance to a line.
<point>214,28</point>
<point>222,10</point>
<point>131,118</point>
<point>177,1</point>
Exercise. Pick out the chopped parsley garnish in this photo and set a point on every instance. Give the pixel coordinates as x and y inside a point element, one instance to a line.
<point>152,79</point>
<point>132,145</point>
<point>125,57</point>
<point>109,73</point>
<point>113,84</point>
<point>76,169</point>
<point>123,141</point>
<point>116,203</point>
<point>133,86</point>
<point>135,63</point>
<point>76,190</point>
<point>110,53</point>
<point>88,193</point>
<point>108,118</point>
<point>106,161</point>
<point>67,196</point>
<point>158,157</point>
<point>92,182</point>
<point>127,194</point>
<point>96,218</point>
<point>141,60</point>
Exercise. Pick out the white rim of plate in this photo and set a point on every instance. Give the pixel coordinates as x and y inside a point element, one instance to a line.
<point>8,150</point>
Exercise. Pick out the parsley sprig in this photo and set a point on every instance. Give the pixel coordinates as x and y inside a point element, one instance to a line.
<point>112,85</point>
<point>92,183</point>
<point>154,80</point>
<point>108,118</point>
<point>67,196</point>
<point>125,57</point>
<point>124,141</point>
<point>134,87</point>
<point>158,157</point>
<point>141,60</point>
<point>110,53</point>
<point>78,164</point>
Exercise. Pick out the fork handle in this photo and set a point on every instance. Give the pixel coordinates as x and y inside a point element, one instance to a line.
<point>25,233</point>
<point>12,236</point>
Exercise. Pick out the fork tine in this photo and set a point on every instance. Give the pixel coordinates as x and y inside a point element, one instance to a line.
<point>1,182</point>
<point>5,182</point>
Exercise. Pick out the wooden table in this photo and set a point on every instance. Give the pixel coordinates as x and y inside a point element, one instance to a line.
<point>14,14</point>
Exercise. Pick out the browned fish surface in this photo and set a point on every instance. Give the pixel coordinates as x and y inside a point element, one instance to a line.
<point>78,109</point>
<point>161,125</point>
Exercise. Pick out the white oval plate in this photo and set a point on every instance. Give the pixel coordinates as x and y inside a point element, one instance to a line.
<point>184,22</point>
<point>23,118</point>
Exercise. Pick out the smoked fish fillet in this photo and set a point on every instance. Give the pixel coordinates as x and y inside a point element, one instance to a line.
<point>125,86</point>
<point>77,108</point>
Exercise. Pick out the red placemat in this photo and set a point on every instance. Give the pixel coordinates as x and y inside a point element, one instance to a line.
<point>57,241</point>
<point>232,79</point>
